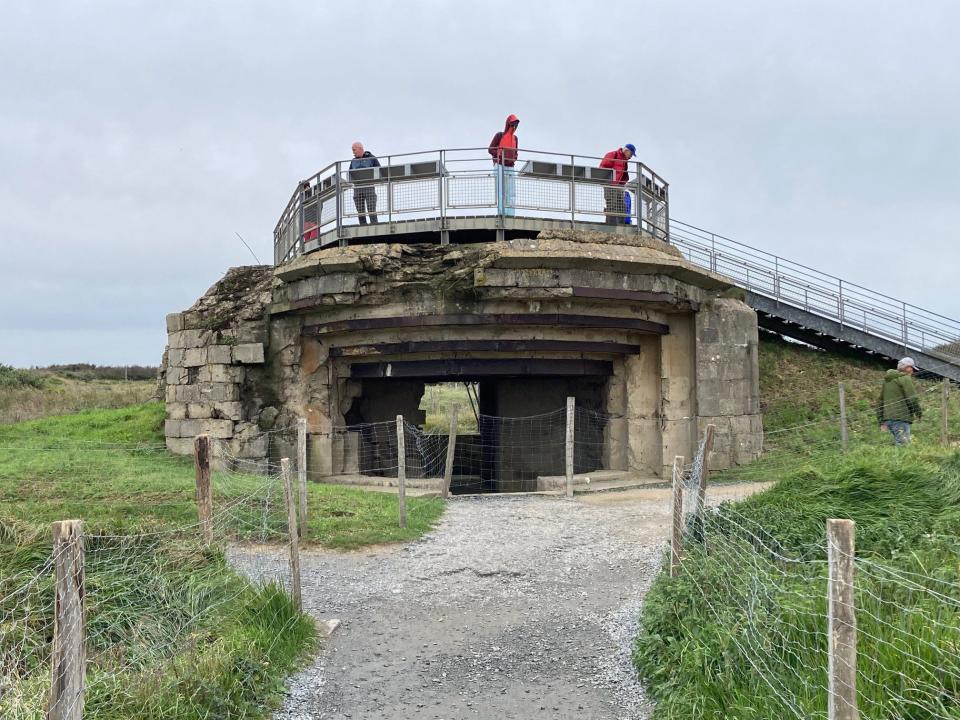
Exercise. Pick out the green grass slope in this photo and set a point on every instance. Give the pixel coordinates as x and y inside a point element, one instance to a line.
<point>173,632</point>
<point>741,631</point>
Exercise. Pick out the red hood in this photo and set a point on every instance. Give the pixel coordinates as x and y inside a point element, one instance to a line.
<point>510,119</point>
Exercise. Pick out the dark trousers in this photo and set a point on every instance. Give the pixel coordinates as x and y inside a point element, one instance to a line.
<point>365,200</point>
<point>615,208</point>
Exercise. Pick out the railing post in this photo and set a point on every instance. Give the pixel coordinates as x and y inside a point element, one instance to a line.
<point>842,622</point>
<point>444,234</point>
<point>573,195</point>
<point>569,445</point>
<point>339,187</point>
<point>713,252</point>
<point>68,656</point>
<point>904,327</point>
<point>840,305</point>
<point>401,472</point>
<point>776,279</point>
<point>390,192</point>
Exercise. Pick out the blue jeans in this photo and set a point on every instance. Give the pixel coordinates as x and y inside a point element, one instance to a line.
<point>506,189</point>
<point>900,431</point>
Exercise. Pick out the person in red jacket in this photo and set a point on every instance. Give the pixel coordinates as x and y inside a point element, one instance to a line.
<point>617,160</point>
<point>503,150</point>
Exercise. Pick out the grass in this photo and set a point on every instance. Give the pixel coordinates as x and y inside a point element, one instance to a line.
<point>31,394</point>
<point>741,632</point>
<point>173,632</point>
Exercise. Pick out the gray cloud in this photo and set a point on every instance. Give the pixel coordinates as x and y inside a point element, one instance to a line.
<point>135,138</point>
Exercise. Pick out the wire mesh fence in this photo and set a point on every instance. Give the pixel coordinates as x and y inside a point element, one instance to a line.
<point>885,649</point>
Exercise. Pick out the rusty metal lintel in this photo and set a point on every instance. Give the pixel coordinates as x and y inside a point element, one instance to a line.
<point>427,346</point>
<point>480,368</point>
<point>454,319</point>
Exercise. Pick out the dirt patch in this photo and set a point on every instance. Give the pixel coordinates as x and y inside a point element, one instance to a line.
<point>514,607</point>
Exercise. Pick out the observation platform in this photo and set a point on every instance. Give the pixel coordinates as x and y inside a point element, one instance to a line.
<point>461,196</point>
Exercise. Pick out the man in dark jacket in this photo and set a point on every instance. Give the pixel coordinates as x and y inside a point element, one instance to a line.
<point>899,403</point>
<point>503,150</point>
<point>613,198</point>
<point>364,196</point>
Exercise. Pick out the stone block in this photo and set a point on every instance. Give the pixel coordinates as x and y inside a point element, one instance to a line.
<point>216,428</point>
<point>220,354</point>
<point>228,410</point>
<point>170,393</point>
<point>248,353</point>
<point>176,411</point>
<point>180,446</point>
<point>732,407</point>
<point>187,338</point>
<point>186,393</point>
<point>176,375</point>
<point>181,428</point>
<point>255,447</point>
<point>174,322</point>
<point>195,357</point>
<point>199,411</point>
<point>175,357</point>
<point>217,392</point>
<point>226,373</point>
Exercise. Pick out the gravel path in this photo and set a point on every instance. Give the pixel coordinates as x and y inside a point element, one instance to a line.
<point>514,607</point>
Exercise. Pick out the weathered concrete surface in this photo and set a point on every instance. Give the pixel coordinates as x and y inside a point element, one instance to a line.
<point>256,352</point>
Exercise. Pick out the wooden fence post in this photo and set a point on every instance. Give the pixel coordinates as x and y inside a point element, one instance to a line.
<point>843,417</point>
<point>842,622</point>
<point>69,654</point>
<point>201,460</point>
<point>676,538</point>
<point>402,471</point>
<point>569,446</point>
<point>302,472</point>
<point>451,450</point>
<point>945,431</point>
<point>293,532</point>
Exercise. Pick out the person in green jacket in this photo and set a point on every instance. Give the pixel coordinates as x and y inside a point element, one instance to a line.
<point>899,403</point>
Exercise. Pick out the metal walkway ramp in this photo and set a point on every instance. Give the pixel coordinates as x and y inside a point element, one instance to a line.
<point>825,311</point>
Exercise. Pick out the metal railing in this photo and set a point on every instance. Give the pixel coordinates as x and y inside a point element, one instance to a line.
<point>443,185</point>
<point>851,305</point>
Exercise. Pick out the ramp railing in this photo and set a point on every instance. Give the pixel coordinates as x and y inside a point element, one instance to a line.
<point>791,283</point>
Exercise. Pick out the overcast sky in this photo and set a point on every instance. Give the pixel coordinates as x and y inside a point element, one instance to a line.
<point>136,138</point>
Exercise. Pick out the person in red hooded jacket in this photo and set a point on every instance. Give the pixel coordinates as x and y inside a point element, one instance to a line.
<point>613,194</point>
<point>503,150</point>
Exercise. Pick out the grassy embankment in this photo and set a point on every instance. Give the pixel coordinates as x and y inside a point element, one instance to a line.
<point>173,632</point>
<point>741,633</point>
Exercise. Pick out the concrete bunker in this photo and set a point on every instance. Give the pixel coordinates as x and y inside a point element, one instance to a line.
<point>349,337</point>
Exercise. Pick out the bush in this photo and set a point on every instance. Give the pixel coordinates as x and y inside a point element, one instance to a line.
<point>11,377</point>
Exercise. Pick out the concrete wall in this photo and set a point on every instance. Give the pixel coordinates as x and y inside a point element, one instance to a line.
<point>728,381</point>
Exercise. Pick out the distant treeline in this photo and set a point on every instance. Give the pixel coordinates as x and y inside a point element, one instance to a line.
<point>38,377</point>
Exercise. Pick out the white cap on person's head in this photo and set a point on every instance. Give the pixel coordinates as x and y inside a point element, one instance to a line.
<point>906,362</point>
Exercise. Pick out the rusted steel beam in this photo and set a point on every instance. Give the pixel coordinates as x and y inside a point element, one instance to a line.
<point>479,368</point>
<point>446,346</point>
<point>635,296</point>
<point>453,319</point>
